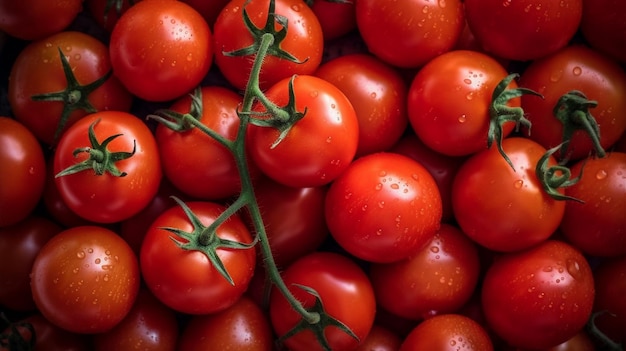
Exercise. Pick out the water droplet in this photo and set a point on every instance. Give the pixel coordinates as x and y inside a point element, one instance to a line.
<point>601,174</point>
<point>77,57</point>
<point>76,270</point>
<point>364,208</point>
<point>573,268</point>
<point>467,81</point>
<point>329,140</point>
<point>395,186</point>
<point>469,96</point>
<point>173,21</point>
<point>577,71</point>
<point>80,254</point>
<point>90,250</point>
<point>107,267</point>
<point>189,56</point>
<point>381,204</point>
<point>373,95</point>
<point>462,118</point>
<point>314,93</point>
<point>48,45</point>
<point>556,76</point>
<point>382,173</point>
<point>518,184</point>
<point>296,7</point>
<point>107,252</point>
<point>434,249</point>
<point>105,278</point>
<point>379,232</point>
<point>97,261</point>
<point>378,186</point>
<point>547,269</point>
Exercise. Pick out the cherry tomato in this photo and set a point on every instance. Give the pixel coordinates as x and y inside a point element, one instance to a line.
<point>85,279</point>
<point>380,338</point>
<point>336,18</point>
<point>36,19</point>
<point>107,12</point>
<point>448,332</point>
<point>603,27</point>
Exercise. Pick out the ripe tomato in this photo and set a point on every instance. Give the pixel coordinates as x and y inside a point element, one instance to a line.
<point>341,286</point>
<point>242,327</point>
<point>458,128</point>
<point>604,28</point>
<point>523,30</point>
<point>383,208</point>
<point>208,9</point>
<point>36,19</point>
<point>597,227</point>
<point>23,170</point>
<point>380,338</point>
<point>161,49</point>
<point>377,93</point>
<point>85,279</point>
<point>319,146</point>
<point>38,70</point>
<point>304,41</point>
<point>540,297</point>
<point>186,280</point>
<point>104,198</point>
<point>107,12</point>
<point>409,33</point>
<point>610,284</point>
<point>336,18</point>
<point>582,69</point>
<point>438,279</point>
<point>501,208</point>
<point>448,332</point>
<point>48,336</point>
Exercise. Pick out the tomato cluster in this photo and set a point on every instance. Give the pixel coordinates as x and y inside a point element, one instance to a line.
<point>312,175</point>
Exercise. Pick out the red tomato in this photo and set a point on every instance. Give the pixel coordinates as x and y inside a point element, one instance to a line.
<point>346,295</point>
<point>409,33</point>
<point>304,41</point>
<point>36,19</point>
<point>597,227</point>
<point>523,30</point>
<point>242,327</point>
<point>85,279</point>
<point>208,9</point>
<point>48,336</point>
<point>438,279</point>
<point>161,49</point>
<point>377,93</point>
<point>186,280</point>
<point>575,68</point>
<point>23,170</point>
<point>502,208</point>
<point>38,71</point>
<point>19,245</point>
<point>448,332</point>
<point>104,198</point>
<point>318,147</point>
<point>383,208</point>
<point>380,338</point>
<point>149,325</point>
<point>336,18</point>
<point>604,28</point>
<point>610,284</point>
<point>540,297</point>
<point>107,12</point>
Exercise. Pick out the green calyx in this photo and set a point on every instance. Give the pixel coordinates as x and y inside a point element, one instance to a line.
<point>572,110</point>
<point>114,4</point>
<point>178,121</point>
<point>318,326</point>
<point>606,343</point>
<point>554,177</point>
<point>74,97</point>
<point>100,160</point>
<point>12,339</point>
<point>204,238</point>
<point>500,113</point>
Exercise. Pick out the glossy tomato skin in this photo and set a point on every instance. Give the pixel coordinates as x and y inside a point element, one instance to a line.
<point>540,297</point>
<point>523,30</point>
<point>243,327</point>
<point>149,325</point>
<point>36,19</point>
<point>38,70</point>
<point>341,285</point>
<point>377,93</point>
<point>409,33</point>
<point>451,113</point>
<point>185,280</point>
<point>161,49</point>
<point>380,338</point>
<point>438,279</point>
<point>383,208</point>
<point>104,198</point>
<point>85,279</point>
<point>19,245</point>
<point>448,332</point>
<point>304,40</point>
<point>501,208</point>
<point>598,226</point>
<point>603,27</point>
<point>610,284</point>
<point>23,169</point>
<point>575,68</point>
<point>319,147</point>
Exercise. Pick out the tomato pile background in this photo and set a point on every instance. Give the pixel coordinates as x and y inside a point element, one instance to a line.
<point>385,198</point>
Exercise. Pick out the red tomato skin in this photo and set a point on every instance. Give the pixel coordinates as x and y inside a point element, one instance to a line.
<point>383,208</point>
<point>336,18</point>
<point>104,198</point>
<point>85,279</point>
<point>380,338</point>
<point>318,147</point>
<point>242,327</point>
<point>438,279</point>
<point>38,70</point>
<point>579,68</point>
<point>161,49</point>
<point>448,332</point>
<point>604,28</point>
<point>36,19</point>
<point>185,280</point>
<point>23,169</point>
<point>377,93</point>
<point>409,33</point>
<point>450,113</point>
<point>598,226</point>
<point>304,40</point>
<point>610,284</point>
<point>341,284</point>
<point>540,297</point>
<point>523,30</point>
<point>504,209</point>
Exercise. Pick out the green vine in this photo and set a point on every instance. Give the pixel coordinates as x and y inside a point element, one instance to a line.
<point>553,178</point>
